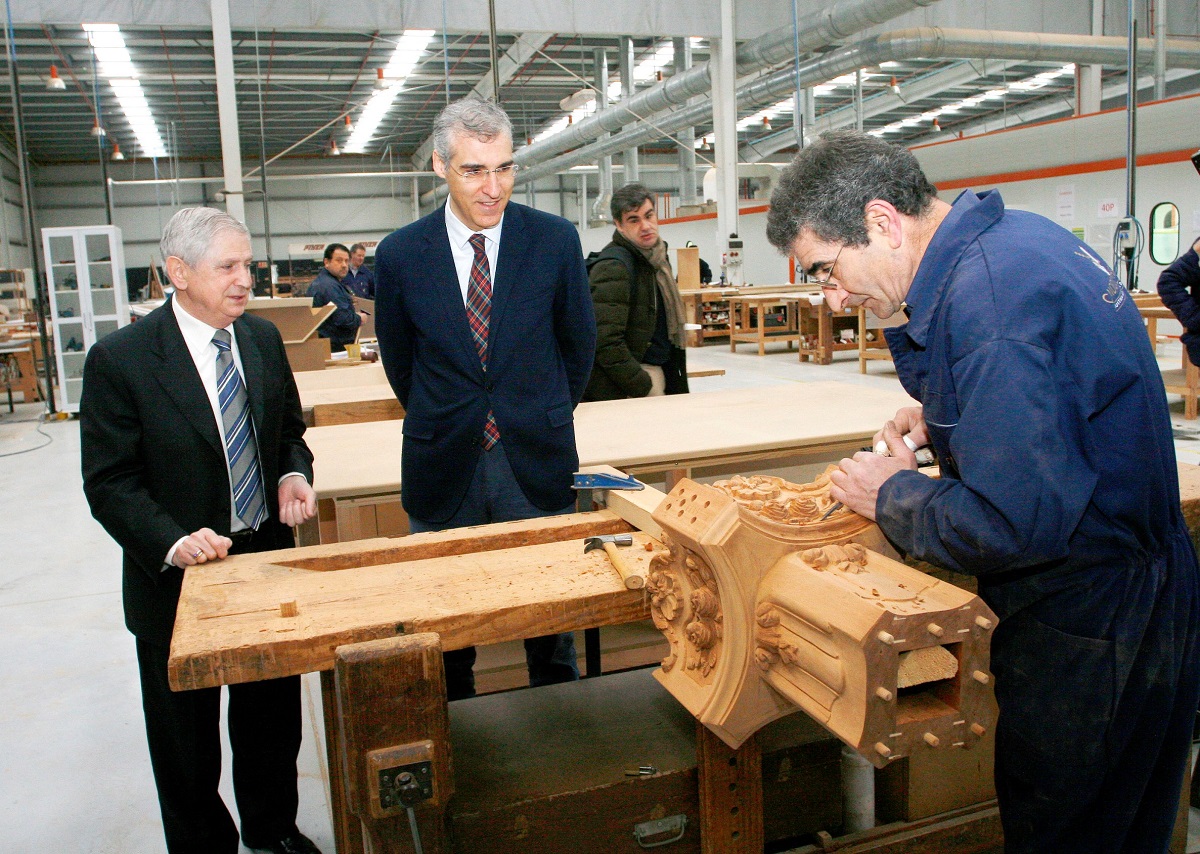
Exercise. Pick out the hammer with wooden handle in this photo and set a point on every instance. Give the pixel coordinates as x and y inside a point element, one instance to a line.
<point>610,543</point>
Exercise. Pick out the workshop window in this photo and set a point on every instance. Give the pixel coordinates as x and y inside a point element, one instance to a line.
<point>1164,233</point>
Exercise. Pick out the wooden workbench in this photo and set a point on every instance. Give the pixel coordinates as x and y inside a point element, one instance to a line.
<point>747,321</point>
<point>358,465</point>
<point>491,583</point>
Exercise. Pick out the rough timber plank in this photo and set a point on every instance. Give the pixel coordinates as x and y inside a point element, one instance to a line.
<point>230,629</point>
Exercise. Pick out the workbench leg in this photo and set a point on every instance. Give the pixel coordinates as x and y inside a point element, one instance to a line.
<point>731,796</point>
<point>395,735</point>
<point>592,665</point>
<point>824,334</point>
<point>347,830</point>
<point>673,476</point>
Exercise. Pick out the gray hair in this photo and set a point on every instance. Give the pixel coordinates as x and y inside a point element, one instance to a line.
<point>474,116</point>
<point>190,233</point>
<point>828,185</point>
<point>628,198</point>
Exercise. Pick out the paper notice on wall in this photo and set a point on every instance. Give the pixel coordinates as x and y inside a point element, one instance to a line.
<point>1066,201</point>
<point>1107,209</point>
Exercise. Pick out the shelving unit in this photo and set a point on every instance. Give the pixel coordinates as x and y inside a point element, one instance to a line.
<point>85,271</point>
<point>714,318</point>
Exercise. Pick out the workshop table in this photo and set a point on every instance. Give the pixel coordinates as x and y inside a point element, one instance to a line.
<point>17,371</point>
<point>747,319</point>
<point>357,466</point>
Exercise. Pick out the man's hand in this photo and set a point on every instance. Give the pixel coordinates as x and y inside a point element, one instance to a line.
<point>297,501</point>
<point>199,547</point>
<point>856,481</point>
<point>909,421</point>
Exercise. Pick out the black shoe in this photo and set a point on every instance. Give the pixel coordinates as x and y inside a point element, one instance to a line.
<point>293,843</point>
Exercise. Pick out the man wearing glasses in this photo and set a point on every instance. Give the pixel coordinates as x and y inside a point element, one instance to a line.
<point>1058,487</point>
<point>486,331</point>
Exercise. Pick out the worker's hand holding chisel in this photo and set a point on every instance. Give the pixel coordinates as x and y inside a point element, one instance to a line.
<point>856,481</point>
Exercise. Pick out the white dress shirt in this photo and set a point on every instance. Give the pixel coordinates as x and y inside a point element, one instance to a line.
<point>464,252</point>
<point>198,335</point>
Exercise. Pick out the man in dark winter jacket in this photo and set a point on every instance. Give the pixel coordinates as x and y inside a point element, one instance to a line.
<point>639,312</point>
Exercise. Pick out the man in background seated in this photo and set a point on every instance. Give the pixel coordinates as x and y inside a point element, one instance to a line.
<point>341,327</point>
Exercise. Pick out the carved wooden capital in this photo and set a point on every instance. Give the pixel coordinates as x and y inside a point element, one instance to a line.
<point>770,607</point>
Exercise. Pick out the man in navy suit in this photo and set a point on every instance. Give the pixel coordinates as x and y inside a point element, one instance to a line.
<point>485,324</point>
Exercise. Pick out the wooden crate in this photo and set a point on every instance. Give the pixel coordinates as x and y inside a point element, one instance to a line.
<point>544,770</point>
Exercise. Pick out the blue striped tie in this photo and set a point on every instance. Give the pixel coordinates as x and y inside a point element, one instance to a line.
<point>240,447</point>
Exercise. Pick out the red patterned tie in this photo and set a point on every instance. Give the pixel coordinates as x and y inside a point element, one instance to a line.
<point>479,310</point>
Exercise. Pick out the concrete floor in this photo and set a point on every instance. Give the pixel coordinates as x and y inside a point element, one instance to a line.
<point>74,771</point>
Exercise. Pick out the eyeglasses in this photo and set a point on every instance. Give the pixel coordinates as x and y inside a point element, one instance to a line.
<point>480,175</point>
<point>828,271</point>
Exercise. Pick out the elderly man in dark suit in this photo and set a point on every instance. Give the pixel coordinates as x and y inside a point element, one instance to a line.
<point>485,324</point>
<point>193,449</point>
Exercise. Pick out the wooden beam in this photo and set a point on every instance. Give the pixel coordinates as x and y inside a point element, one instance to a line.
<point>391,700</point>
<point>731,795</point>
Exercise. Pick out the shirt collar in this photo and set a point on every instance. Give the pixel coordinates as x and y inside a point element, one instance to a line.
<point>197,334</point>
<point>969,216</point>
<point>460,235</point>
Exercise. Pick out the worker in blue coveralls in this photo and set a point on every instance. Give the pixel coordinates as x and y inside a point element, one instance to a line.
<point>1058,487</point>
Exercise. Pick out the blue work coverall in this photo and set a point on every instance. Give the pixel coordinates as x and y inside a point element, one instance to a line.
<point>1059,492</point>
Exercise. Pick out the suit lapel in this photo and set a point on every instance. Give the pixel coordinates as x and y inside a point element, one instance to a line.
<point>177,376</point>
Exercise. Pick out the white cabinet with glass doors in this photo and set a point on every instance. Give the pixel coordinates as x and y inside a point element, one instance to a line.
<point>85,272</point>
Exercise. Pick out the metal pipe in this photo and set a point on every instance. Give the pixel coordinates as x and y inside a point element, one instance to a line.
<point>309,176</point>
<point>630,158</point>
<point>725,128</point>
<point>817,29</point>
<point>492,52</point>
<point>600,212</point>
<point>231,152</point>
<point>687,135</point>
<point>1160,49</point>
<point>858,792</point>
<point>39,283</point>
<point>927,42</point>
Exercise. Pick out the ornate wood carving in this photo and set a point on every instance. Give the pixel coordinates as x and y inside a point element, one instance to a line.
<point>772,603</point>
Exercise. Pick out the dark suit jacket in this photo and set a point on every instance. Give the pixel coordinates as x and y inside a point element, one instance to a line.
<point>541,342</point>
<point>153,462</point>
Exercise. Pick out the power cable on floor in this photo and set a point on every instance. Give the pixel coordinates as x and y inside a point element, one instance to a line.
<point>49,440</point>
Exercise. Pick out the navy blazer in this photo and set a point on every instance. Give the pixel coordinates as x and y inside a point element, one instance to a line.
<point>541,343</point>
<point>153,462</point>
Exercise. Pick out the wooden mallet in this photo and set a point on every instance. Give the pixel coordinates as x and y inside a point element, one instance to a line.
<point>610,543</point>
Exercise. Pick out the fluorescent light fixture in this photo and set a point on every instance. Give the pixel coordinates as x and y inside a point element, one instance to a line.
<point>405,57</point>
<point>1027,85</point>
<point>115,64</point>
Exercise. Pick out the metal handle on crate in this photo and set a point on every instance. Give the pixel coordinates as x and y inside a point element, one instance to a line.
<point>675,824</point>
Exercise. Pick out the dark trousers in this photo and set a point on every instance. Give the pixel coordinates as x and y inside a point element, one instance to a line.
<point>183,732</point>
<point>495,496</point>
<point>1095,724</point>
